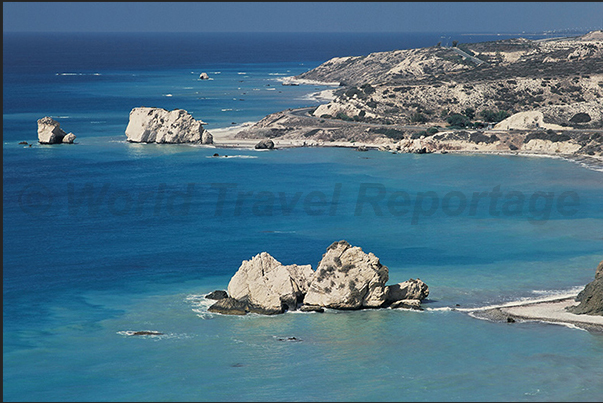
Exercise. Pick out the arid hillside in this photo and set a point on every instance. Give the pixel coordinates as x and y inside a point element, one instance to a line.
<point>559,77</point>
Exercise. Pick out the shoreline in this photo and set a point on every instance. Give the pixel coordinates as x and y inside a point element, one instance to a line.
<point>225,138</point>
<point>550,310</point>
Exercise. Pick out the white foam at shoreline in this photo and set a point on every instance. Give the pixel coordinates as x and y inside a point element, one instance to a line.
<point>231,156</point>
<point>553,295</point>
<point>293,80</point>
<point>200,305</point>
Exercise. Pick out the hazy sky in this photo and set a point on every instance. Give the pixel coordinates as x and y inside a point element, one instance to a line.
<point>300,16</point>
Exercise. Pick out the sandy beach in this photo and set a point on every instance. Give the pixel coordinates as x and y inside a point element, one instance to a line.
<point>549,310</point>
<point>225,138</point>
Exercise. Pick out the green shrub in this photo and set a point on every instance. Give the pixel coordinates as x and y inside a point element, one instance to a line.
<point>391,133</point>
<point>458,120</point>
<point>470,113</point>
<point>495,117</point>
<point>343,116</point>
<point>418,117</point>
<point>580,118</point>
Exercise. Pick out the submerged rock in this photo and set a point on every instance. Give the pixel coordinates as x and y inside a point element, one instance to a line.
<point>146,333</point>
<point>591,297</point>
<point>348,278</point>
<point>157,125</point>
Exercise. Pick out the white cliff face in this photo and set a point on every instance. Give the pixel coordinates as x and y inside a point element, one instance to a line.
<point>265,283</point>
<point>157,125</point>
<point>348,278</point>
<point>50,132</point>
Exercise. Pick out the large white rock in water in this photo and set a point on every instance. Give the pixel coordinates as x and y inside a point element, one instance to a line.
<point>50,132</point>
<point>157,125</point>
<point>348,278</point>
<point>265,283</point>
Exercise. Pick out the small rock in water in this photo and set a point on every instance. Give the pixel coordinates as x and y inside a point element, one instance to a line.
<point>23,142</point>
<point>311,308</point>
<point>510,320</point>
<point>289,339</point>
<point>218,294</point>
<point>146,333</point>
<point>216,155</point>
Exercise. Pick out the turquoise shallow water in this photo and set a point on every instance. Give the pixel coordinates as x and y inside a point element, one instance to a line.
<point>104,237</point>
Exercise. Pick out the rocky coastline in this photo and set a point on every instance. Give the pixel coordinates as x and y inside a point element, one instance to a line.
<point>528,97</point>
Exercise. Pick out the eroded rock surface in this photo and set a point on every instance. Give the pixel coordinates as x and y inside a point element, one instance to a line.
<point>50,132</point>
<point>348,278</point>
<point>591,298</point>
<point>157,125</point>
<point>265,283</point>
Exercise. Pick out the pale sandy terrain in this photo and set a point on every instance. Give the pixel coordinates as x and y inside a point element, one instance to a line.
<point>551,311</point>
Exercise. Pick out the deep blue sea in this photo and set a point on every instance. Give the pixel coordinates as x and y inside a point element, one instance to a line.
<point>103,237</point>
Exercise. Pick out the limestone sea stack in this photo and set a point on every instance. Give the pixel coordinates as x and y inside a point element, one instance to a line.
<point>50,132</point>
<point>591,298</point>
<point>264,285</point>
<point>346,278</point>
<point>157,125</point>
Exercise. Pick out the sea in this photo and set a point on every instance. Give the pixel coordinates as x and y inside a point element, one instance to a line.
<point>104,238</point>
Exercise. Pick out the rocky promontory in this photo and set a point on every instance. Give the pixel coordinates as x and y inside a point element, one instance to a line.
<point>513,95</point>
<point>157,125</point>
<point>50,132</point>
<point>346,278</point>
<point>591,298</point>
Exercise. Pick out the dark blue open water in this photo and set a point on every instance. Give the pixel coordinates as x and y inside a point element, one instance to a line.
<point>105,237</point>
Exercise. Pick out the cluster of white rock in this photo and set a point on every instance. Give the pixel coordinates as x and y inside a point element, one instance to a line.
<point>50,132</point>
<point>157,125</point>
<point>346,278</point>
